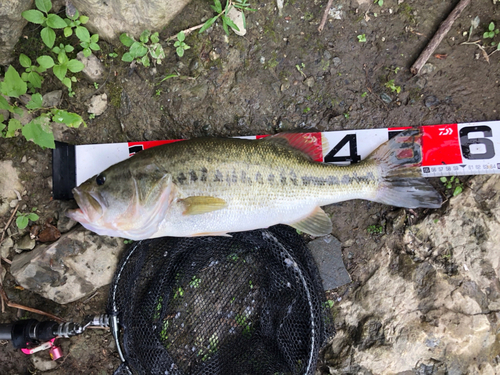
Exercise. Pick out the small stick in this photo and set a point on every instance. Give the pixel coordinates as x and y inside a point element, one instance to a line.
<point>325,16</point>
<point>186,32</point>
<point>26,308</point>
<point>8,223</point>
<point>438,37</point>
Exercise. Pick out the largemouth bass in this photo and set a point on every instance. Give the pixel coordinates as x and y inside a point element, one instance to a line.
<point>214,186</point>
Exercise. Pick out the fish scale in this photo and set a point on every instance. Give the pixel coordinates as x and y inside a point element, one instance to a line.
<point>214,186</point>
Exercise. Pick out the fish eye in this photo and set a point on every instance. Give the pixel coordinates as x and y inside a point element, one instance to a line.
<point>100,180</point>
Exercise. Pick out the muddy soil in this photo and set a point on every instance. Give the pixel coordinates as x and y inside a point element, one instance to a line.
<point>281,76</point>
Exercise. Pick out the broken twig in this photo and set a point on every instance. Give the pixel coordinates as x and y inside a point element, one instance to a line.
<point>4,298</point>
<point>439,36</point>
<point>325,16</point>
<point>8,223</point>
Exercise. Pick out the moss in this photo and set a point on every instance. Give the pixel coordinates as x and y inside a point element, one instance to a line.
<point>407,12</point>
<point>115,95</point>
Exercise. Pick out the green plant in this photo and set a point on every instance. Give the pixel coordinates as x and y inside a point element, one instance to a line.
<point>362,38</point>
<point>329,303</point>
<point>37,130</point>
<point>392,86</point>
<point>195,282</point>
<point>147,45</point>
<point>300,67</point>
<point>452,183</point>
<point>23,219</point>
<point>180,45</point>
<point>379,2</point>
<point>242,5</point>
<point>49,21</point>
<point>375,229</point>
<point>491,31</point>
<point>363,95</point>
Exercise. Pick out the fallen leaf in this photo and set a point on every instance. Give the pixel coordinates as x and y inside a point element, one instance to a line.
<point>441,56</point>
<point>49,234</point>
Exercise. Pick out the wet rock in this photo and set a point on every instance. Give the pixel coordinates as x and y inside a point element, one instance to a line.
<point>11,26</point>
<point>43,364</point>
<point>64,223</point>
<point>431,101</point>
<point>411,315</point>
<point>125,107</point>
<point>25,243</point>
<point>427,68</point>
<point>327,254</point>
<point>52,99</point>
<point>421,83</point>
<point>385,98</point>
<point>69,269</point>
<point>98,104</point>
<point>236,16</point>
<point>337,61</point>
<point>5,247</point>
<point>309,81</point>
<point>113,17</point>
<point>94,70</point>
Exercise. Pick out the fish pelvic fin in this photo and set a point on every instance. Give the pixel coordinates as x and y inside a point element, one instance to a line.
<point>317,223</point>
<point>402,183</point>
<point>197,205</point>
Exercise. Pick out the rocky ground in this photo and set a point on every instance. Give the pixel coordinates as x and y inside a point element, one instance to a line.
<point>425,293</point>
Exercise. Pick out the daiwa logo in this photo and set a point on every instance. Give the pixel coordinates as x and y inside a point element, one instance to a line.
<point>445,131</point>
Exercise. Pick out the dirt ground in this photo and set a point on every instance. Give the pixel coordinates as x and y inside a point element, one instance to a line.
<point>281,76</point>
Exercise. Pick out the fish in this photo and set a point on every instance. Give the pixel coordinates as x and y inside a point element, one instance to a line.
<point>217,186</point>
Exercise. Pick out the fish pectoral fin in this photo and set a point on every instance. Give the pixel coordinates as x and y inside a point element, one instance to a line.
<point>316,224</point>
<point>202,204</point>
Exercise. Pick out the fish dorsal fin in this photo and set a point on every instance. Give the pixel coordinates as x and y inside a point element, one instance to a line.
<point>311,144</point>
<point>316,224</point>
<point>202,204</point>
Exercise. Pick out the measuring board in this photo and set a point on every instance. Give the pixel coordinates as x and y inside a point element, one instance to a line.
<point>447,150</point>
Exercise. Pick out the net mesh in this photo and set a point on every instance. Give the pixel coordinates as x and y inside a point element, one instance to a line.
<point>247,304</point>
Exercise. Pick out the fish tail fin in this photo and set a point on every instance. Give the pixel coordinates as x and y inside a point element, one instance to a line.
<point>402,184</point>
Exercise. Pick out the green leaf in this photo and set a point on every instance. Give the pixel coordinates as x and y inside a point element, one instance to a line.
<point>180,51</point>
<point>44,5</point>
<point>13,126</point>
<point>75,66</point>
<point>94,38</point>
<point>33,131</point>
<point>68,31</point>
<point>69,118</point>
<point>22,222</point>
<point>457,190</point>
<point>67,82</point>
<point>24,60</point>
<point>144,37</point>
<point>230,23</point>
<point>87,52</point>
<point>48,36</point>
<point>60,71</point>
<point>207,24</point>
<point>35,79</point>
<point>181,36</point>
<point>62,57</point>
<point>126,40</point>
<point>33,217</point>
<point>45,62</point>
<point>224,25</point>
<point>145,61</point>
<point>82,33</point>
<point>4,104</point>
<point>94,46</point>
<point>13,85</point>
<point>35,102</point>
<point>218,6</point>
<point>16,110</point>
<point>84,19</point>
<point>155,38</point>
<point>56,22</point>
<point>138,50</point>
<point>443,179</point>
<point>157,52</point>
<point>127,57</point>
<point>491,26</point>
<point>69,48</point>
<point>34,16</point>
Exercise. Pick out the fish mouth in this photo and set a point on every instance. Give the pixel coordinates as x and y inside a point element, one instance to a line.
<point>91,206</point>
